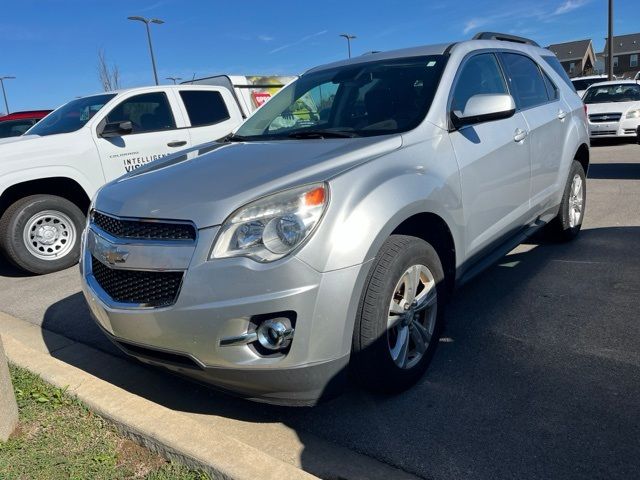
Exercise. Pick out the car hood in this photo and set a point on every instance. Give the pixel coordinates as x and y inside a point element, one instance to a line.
<point>18,154</point>
<point>613,107</point>
<point>20,139</point>
<point>208,188</point>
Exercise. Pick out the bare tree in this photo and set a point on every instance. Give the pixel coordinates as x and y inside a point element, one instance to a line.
<point>109,75</point>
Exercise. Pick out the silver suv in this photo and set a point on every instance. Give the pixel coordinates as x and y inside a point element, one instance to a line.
<point>326,235</point>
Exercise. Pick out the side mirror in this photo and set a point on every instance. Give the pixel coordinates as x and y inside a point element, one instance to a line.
<point>116,129</point>
<point>484,108</point>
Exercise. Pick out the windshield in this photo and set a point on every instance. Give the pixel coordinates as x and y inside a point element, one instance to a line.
<point>71,116</point>
<point>365,99</point>
<point>584,84</point>
<point>623,92</point>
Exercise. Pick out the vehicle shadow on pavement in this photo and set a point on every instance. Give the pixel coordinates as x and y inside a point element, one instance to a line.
<point>608,142</point>
<point>615,171</point>
<point>8,270</point>
<point>537,375</point>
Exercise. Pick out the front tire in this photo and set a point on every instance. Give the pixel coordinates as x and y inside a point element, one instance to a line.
<point>568,223</point>
<point>41,233</point>
<point>400,315</point>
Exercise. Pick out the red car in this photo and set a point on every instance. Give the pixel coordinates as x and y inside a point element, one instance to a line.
<point>15,124</point>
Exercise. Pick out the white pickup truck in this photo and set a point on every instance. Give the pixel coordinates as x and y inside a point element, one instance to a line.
<point>49,175</point>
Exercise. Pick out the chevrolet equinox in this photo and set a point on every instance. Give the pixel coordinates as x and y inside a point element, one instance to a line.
<point>325,236</point>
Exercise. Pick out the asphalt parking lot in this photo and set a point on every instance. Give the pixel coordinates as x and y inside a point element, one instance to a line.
<point>537,376</point>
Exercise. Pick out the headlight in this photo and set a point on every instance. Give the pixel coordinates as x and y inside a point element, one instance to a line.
<point>272,227</point>
<point>633,113</point>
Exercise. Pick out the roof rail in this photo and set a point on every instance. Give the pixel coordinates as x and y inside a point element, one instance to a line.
<point>505,37</point>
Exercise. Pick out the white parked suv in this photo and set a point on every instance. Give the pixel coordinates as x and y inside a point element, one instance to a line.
<point>327,233</point>
<point>49,175</point>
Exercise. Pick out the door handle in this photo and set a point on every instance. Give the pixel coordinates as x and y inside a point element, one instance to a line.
<point>562,115</point>
<point>520,135</point>
<point>177,143</point>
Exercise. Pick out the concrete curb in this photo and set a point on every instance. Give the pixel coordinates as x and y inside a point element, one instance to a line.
<point>8,405</point>
<point>224,447</point>
<point>158,428</point>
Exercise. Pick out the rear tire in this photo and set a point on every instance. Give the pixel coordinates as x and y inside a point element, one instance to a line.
<point>41,233</point>
<point>568,223</point>
<point>397,331</point>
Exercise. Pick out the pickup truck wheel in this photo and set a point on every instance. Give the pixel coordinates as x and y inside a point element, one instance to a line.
<point>41,233</point>
<point>400,315</point>
<point>568,223</point>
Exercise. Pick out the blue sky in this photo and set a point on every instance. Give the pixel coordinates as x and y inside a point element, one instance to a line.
<point>51,45</point>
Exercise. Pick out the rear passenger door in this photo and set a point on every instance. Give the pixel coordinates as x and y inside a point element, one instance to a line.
<point>212,114</point>
<point>493,158</point>
<point>538,98</point>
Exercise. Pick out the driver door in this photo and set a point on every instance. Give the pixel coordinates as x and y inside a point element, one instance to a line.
<point>155,133</point>
<point>493,157</point>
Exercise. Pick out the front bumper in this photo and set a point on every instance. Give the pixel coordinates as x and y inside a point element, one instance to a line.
<point>625,128</point>
<point>220,299</point>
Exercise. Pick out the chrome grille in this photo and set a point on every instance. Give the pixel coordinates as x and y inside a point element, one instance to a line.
<point>605,117</point>
<point>144,229</point>
<point>135,287</point>
<point>602,133</point>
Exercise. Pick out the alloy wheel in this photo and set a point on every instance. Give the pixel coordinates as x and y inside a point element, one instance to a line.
<point>412,316</point>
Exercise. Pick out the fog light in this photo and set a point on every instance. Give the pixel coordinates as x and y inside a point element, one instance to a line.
<point>275,333</point>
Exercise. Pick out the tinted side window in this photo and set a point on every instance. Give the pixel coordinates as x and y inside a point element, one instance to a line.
<point>148,112</point>
<point>525,79</point>
<point>204,108</point>
<point>15,128</point>
<point>552,90</point>
<point>480,74</point>
<point>554,63</point>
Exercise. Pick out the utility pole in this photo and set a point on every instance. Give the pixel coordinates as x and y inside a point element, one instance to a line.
<point>4,93</point>
<point>349,38</point>
<point>147,21</point>
<point>610,42</point>
<point>174,79</point>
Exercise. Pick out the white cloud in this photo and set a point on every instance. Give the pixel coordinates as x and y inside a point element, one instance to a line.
<point>569,6</point>
<point>298,42</point>
<point>473,24</point>
<point>519,13</point>
<point>153,6</point>
<point>265,38</point>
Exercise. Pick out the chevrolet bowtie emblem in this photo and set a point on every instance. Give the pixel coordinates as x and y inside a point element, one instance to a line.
<point>114,255</point>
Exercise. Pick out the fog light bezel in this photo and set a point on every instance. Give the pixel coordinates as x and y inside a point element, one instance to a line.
<point>255,322</point>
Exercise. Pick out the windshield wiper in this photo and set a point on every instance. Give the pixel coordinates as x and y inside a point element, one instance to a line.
<point>232,137</point>
<point>322,134</point>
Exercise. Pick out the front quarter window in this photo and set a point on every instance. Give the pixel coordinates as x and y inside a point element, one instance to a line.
<point>70,117</point>
<point>359,99</point>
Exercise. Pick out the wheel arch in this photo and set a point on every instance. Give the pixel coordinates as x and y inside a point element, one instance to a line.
<point>434,230</point>
<point>64,187</point>
<point>582,156</point>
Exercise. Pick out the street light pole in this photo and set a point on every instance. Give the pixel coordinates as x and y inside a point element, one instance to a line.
<point>4,93</point>
<point>610,42</point>
<point>147,21</point>
<point>174,79</point>
<point>349,38</point>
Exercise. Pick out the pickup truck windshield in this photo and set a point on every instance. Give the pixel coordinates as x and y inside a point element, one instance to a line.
<point>71,116</point>
<point>623,92</point>
<point>363,99</point>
